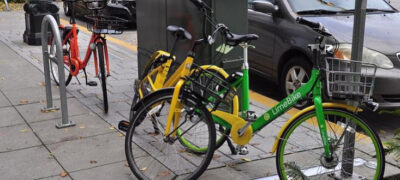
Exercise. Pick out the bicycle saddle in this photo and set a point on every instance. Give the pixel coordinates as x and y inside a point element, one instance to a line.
<point>179,32</point>
<point>235,39</point>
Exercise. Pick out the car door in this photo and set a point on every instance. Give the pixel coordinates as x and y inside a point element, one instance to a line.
<point>262,24</point>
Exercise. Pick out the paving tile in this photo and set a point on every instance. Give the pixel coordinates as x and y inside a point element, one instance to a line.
<point>107,172</point>
<point>91,92</point>
<point>119,97</point>
<point>263,144</point>
<point>222,173</point>
<point>258,168</point>
<point>125,114</point>
<point>112,118</point>
<point>254,153</point>
<point>32,112</point>
<point>392,171</point>
<point>271,130</point>
<point>9,116</point>
<point>88,101</point>
<point>17,137</point>
<point>86,125</point>
<point>116,106</point>
<point>29,163</point>
<point>76,155</point>
<point>32,94</point>
<point>121,88</point>
<point>13,79</point>
<point>58,177</point>
<point>393,160</point>
<point>3,100</point>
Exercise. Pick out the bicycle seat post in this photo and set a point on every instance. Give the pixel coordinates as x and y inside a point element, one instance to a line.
<point>174,47</point>
<point>72,20</point>
<point>245,47</point>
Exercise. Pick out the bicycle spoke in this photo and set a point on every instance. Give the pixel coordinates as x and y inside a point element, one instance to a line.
<point>300,158</point>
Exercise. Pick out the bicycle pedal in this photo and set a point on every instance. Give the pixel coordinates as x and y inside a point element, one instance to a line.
<point>65,51</point>
<point>250,116</point>
<point>91,83</point>
<point>123,125</point>
<point>242,150</point>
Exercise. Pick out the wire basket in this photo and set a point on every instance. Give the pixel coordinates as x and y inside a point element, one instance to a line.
<point>100,24</point>
<point>349,79</point>
<point>212,89</point>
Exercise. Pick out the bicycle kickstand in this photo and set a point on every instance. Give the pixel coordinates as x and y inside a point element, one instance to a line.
<point>231,146</point>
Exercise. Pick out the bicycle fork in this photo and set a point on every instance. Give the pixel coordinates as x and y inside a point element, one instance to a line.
<point>174,111</point>
<point>321,119</point>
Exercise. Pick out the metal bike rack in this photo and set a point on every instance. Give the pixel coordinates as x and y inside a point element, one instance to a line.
<point>49,19</point>
<point>7,8</point>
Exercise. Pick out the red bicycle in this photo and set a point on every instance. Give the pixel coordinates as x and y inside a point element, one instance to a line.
<point>99,25</point>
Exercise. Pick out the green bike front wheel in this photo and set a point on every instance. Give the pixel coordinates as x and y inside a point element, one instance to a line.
<point>356,149</point>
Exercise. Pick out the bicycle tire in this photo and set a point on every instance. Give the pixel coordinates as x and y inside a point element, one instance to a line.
<point>102,76</point>
<point>54,66</point>
<point>363,160</point>
<point>140,134</point>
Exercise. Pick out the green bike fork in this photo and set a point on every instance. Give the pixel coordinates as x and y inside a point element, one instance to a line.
<point>321,118</point>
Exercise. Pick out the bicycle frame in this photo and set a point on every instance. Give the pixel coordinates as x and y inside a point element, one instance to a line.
<point>161,72</point>
<point>74,48</point>
<point>242,130</point>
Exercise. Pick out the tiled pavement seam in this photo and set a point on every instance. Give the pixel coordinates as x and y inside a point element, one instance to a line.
<point>36,135</point>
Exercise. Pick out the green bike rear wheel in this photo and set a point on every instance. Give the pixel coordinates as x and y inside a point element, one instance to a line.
<point>301,154</point>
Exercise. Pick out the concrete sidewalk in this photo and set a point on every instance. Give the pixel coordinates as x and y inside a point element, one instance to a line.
<point>32,148</point>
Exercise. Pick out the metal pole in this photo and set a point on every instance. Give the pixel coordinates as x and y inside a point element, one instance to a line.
<point>356,54</point>
<point>7,8</point>
<point>48,19</point>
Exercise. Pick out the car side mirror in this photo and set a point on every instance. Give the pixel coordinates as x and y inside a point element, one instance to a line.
<point>265,7</point>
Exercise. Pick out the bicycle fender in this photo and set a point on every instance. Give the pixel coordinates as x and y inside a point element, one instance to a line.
<point>222,72</point>
<point>144,99</point>
<point>306,110</point>
<point>216,68</point>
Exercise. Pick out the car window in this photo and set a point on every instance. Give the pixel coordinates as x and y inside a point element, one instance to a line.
<point>335,5</point>
<point>250,3</point>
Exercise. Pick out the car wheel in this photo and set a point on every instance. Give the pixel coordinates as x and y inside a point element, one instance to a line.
<point>296,72</point>
<point>66,7</point>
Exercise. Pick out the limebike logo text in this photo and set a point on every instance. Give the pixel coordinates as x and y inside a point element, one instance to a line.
<point>282,106</point>
<point>289,101</point>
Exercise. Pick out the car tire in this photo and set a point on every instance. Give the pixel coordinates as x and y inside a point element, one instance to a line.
<point>296,72</point>
<point>67,8</point>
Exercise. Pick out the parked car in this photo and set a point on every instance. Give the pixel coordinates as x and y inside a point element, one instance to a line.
<point>125,9</point>
<point>281,53</point>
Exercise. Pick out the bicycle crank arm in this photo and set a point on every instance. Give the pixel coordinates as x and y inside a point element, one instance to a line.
<point>236,123</point>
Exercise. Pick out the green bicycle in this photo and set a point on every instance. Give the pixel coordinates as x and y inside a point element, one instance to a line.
<point>323,141</point>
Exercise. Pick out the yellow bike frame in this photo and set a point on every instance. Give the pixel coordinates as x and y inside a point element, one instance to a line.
<point>157,79</point>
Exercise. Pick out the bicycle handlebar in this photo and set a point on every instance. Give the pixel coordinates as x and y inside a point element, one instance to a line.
<point>317,27</point>
<point>200,4</point>
<point>308,23</point>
